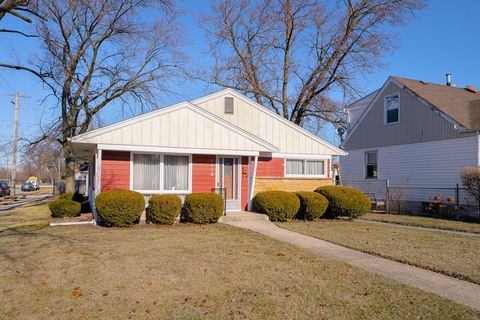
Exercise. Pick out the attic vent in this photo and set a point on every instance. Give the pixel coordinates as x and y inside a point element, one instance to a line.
<point>422,82</point>
<point>228,105</point>
<point>471,89</point>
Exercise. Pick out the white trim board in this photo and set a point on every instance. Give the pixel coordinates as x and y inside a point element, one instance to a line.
<point>134,148</point>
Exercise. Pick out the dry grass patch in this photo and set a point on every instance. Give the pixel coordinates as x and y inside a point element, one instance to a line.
<point>419,221</point>
<point>454,255</point>
<point>191,272</point>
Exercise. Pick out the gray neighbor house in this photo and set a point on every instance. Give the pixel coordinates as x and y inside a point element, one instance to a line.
<point>414,136</point>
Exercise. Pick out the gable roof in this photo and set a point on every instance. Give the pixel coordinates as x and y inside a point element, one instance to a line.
<point>334,150</point>
<point>146,130</point>
<point>460,104</point>
<point>263,144</point>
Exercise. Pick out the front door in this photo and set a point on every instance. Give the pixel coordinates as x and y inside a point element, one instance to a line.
<point>228,179</point>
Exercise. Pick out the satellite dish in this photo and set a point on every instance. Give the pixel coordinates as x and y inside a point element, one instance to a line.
<point>340,131</point>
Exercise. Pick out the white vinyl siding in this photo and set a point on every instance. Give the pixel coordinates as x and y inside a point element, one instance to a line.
<point>258,120</point>
<point>436,164</point>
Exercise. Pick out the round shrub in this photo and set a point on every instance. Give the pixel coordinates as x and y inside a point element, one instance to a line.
<point>77,197</point>
<point>119,208</point>
<point>163,209</point>
<point>64,208</point>
<point>277,205</point>
<point>202,208</point>
<point>312,205</point>
<point>66,196</point>
<point>345,201</point>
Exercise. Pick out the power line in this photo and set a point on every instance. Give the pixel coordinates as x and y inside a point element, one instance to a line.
<point>8,84</point>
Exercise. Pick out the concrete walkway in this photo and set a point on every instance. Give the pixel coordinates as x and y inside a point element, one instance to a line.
<point>460,291</point>
<point>392,224</point>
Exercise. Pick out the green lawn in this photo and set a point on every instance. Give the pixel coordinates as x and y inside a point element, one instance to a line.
<point>188,272</point>
<point>454,255</point>
<point>419,221</point>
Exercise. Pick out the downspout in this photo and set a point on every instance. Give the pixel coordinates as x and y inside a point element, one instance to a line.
<point>252,183</point>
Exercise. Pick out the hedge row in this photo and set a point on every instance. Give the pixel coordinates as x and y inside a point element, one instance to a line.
<point>328,202</point>
<point>123,208</point>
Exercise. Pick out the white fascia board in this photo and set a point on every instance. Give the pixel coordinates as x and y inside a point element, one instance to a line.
<point>301,156</point>
<point>269,112</point>
<point>132,148</point>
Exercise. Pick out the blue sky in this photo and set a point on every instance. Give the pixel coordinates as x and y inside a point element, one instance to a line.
<point>443,38</point>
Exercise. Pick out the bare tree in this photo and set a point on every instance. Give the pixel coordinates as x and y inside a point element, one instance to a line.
<point>21,9</point>
<point>98,53</point>
<point>471,180</point>
<point>291,54</point>
<point>42,160</point>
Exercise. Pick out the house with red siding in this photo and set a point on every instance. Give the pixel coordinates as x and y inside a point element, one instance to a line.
<point>223,142</point>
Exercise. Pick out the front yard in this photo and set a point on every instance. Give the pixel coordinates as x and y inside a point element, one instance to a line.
<point>419,221</point>
<point>188,272</point>
<point>454,255</point>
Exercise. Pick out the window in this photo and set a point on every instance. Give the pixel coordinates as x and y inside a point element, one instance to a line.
<point>176,172</point>
<point>228,105</point>
<point>294,166</point>
<point>314,168</point>
<point>300,167</point>
<point>146,172</point>
<point>392,108</point>
<point>371,167</point>
<point>160,173</point>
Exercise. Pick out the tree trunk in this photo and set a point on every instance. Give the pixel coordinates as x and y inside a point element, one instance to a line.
<point>69,167</point>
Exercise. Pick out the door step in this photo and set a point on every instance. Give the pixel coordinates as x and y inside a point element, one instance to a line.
<point>243,216</point>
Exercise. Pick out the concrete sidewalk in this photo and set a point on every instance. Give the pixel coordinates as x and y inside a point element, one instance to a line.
<point>398,225</point>
<point>460,291</point>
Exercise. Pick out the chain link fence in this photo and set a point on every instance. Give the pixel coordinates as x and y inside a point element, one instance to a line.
<point>441,202</point>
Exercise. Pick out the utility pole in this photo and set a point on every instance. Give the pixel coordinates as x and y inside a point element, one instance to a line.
<point>15,139</point>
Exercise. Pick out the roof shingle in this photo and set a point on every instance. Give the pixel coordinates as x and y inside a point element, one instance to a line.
<point>460,104</point>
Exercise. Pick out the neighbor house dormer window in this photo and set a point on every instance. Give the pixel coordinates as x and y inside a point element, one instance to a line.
<point>392,108</point>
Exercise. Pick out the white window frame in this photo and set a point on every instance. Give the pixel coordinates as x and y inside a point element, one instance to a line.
<point>365,164</point>
<point>305,159</point>
<point>162,173</point>
<point>385,109</point>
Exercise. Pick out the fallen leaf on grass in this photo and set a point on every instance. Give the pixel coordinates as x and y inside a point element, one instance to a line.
<point>105,293</point>
<point>76,293</point>
<point>280,254</point>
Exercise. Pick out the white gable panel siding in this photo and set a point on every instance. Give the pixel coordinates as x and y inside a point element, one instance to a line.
<point>266,126</point>
<point>179,128</point>
<point>435,164</point>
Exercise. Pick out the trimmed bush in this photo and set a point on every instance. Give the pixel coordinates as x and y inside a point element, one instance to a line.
<point>77,197</point>
<point>312,205</point>
<point>66,196</point>
<point>345,201</point>
<point>119,208</point>
<point>163,209</point>
<point>277,205</point>
<point>64,208</point>
<point>202,208</point>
